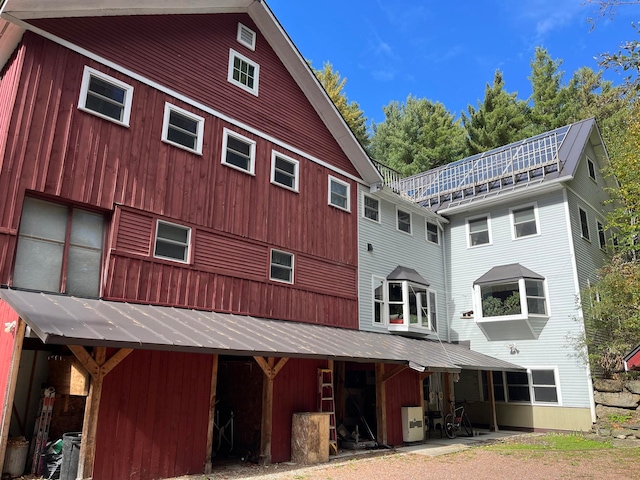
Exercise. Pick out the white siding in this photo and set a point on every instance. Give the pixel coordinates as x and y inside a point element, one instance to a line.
<point>392,248</point>
<point>548,254</point>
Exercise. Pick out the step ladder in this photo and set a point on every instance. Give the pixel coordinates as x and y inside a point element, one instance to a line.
<point>326,403</point>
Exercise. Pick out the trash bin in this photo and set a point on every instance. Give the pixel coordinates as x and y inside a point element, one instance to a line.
<point>70,455</point>
<point>15,456</point>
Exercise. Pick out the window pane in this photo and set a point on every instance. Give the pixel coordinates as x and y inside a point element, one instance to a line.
<point>181,138</point>
<point>280,273</point>
<point>183,122</point>
<point>339,194</point>
<point>545,394</point>
<point>38,265</point>
<point>536,306</point>
<point>518,394</point>
<point>584,225</point>
<point>432,232</point>
<point>433,311</point>
<point>43,220</point>
<point>87,229</point>
<point>543,377</point>
<point>83,272</point>
<point>395,292</point>
<point>170,250</point>
<point>107,90</point>
<point>284,173</point>
<point>173,232</point>
<point>417,297</point>
<point>281,258</point>
<point>498,300</point>
<point>371,206</point>
<point>404,221</point>
<point>534,288</point>
<point>478,225</point>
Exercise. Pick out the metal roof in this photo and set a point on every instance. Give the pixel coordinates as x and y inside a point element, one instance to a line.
<point>406,273</point>
<point>507,273</point>
<point>65,320</point>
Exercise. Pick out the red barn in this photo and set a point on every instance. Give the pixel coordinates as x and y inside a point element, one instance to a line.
<point>178,219</point>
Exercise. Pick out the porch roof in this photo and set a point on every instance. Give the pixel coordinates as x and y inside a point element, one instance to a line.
<point>65,320</point>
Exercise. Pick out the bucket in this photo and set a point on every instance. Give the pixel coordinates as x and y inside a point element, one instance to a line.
<point>70,455</point>
<point>16,456</point>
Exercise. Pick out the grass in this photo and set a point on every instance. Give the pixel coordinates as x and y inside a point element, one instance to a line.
<point>552,442</point>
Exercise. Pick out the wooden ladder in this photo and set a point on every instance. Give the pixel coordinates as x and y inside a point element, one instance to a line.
<point>326,403</point>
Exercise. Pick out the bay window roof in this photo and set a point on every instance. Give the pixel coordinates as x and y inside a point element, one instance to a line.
<point>507,273</point>
<point>409,274</point>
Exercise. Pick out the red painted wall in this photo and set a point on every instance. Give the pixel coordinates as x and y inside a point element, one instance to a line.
<point>403,390</point>
<point>153,416</point>
<point>190,54</point>
<point>7,341</point>
<point>295,390</point>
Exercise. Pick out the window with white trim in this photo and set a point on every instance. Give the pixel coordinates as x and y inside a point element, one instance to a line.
<point>544,386</point>
<point>281,266</point>
<point>379,303</point>
<point>182,128</point>
<point>243,72</point>
<point>246,36</point>
<point>518,387</point>
<point>524,221</point>
<point>584,224</point>
<point>238,152</point>
<point>105,96</point>
<point>403,221</point>
<point>602,239</point>
<point>284,171</point>
<point>371,208</point>
<point>478,232</point>
<point>59,249</point>
<point>172,241</point>
<point>524,297</point>
<point>339,194</point>
<point>433,235</point>
<point>591,167</point>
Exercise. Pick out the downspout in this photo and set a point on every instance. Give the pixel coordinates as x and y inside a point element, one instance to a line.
<point>446,282</point>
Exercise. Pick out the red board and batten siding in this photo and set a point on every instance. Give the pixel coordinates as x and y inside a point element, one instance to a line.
<point>57,150</point>
<point>403,390</point>
<point>7,341</point>
<point>190,54</point>
<point>153,416</point>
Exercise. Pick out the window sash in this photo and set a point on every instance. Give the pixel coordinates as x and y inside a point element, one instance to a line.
<point>602,239</point>
<point>285,173</point>
<point>404,221</point>
<point>105,96</point>
<point>524,222</point>
<point>378,300</point>
<point>584,224</point>
<point>478,231</point>
<point>238,152</point>
<point>371,208</point>
<point>338,193</point>
<point>172,241</point>
<point>281,266</point>
<point>432,233</point>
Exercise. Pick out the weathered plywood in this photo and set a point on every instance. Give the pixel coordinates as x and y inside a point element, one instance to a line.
<point>310,438</point>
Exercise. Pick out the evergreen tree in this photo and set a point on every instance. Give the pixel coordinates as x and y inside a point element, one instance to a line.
<point>499,119</point>
<point>350,111</point>
<point>549,97</point>
<point>416,136</point>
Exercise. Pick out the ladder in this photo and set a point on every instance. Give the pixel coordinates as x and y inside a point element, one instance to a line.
<point>326,403</point>
<point>41,429</point>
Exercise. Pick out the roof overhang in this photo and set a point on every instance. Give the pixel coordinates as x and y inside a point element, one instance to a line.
<point>65,320</point>
<point>507,273</point>
<point>259,12</point>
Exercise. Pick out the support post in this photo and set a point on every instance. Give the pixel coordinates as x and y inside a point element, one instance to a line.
<point>493,423</point>
<point>381,404</point>
<point>10,392</point>
<point>212,411</point>
<point>448,392</point>
<point>270,369</point>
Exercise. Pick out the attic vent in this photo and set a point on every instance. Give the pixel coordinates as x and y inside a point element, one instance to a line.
<point>246,36</point>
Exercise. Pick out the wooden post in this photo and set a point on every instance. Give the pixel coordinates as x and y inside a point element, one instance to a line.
<point>448,393</point>
<point>98,367</point>
<point>381,405</point>
<point>340,398</point>
<point>11,387</point>
<point>270,369</point>
<point>493,422</point>
<point>212,411</point>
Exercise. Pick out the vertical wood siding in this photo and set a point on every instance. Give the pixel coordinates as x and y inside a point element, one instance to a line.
<point>403,390</point>
<point>190,54</point>
<point>7,341</point>
<point>295,390</point>
<point>153,416</point>
<point>9,78</point>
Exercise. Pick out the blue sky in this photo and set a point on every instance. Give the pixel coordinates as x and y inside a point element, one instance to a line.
<point>446,51</point>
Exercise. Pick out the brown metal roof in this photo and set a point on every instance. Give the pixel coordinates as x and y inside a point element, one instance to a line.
<point>406,273</point>
<point>65,320</point>
<point>507,273</point>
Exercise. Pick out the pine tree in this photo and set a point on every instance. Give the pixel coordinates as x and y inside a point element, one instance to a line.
<point>548,96</point>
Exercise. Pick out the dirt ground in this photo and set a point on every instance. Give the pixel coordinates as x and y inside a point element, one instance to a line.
<point>477,462</point>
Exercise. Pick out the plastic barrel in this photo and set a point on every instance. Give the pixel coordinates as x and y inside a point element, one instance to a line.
<point>70,455</point>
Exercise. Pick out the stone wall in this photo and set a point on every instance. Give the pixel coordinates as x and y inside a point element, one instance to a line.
<point>617,408</point>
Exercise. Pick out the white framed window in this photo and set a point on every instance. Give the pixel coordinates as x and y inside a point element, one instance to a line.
<point>478,231</point>
<point>403,221</point>
<point>524,221</point>
<point>182,129</point>
<point>544,385</point>
<point>246,36</point>
<point>379,300</point>
<point>433,233</point>
<point>602,238</point>
<point>281,266</point>
<point>284,171</point>
<point>433,311</point>
<point>371,208</point>
<point>522,298</point>
<point>105,96</point>
<point>243,72</point>
<point>238,152</point>
<point>339,194</point>
<point>591,167</point>
<point>584,224</point>
<point>172,242</point>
